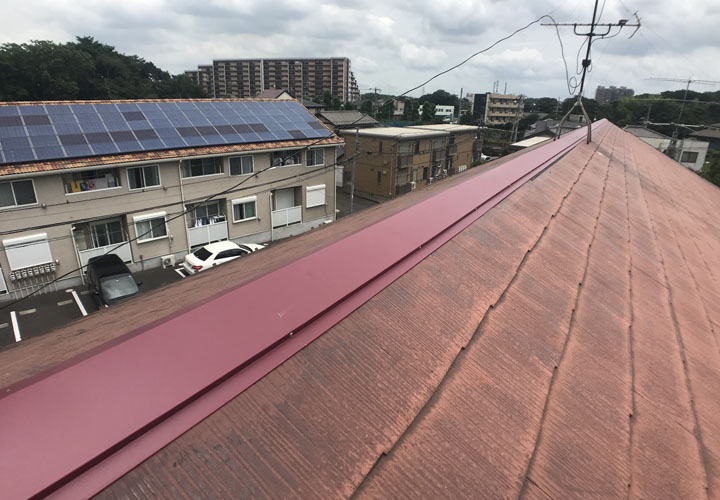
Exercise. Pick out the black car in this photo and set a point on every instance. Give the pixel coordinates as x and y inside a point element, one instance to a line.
<point>110,280</point>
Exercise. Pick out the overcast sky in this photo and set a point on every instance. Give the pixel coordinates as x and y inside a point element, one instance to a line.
<point>396,44</point>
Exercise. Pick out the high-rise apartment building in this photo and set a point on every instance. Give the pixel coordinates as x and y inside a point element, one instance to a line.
<point>496,109</point>
<point>300,77</point>
<point>606,95</point>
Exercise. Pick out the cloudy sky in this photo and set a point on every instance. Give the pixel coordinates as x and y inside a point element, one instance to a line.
<point>396,44</point>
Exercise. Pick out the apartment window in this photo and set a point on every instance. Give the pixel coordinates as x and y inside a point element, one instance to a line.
<point>91,180</point>
<point>689,157</point>
<point>244,209</point>
<point>143,177</point>
<point>202,166</point>
<point>379,177</point>
<point>107,233</point>
<point>379,146</point>
<point>452,140</point>
<point>17,193</point>
<point>315,157</point>
<point>283,158</point>
<point>315,196</point>
<point>150,227</point>
<point>425,172</point>
<point>417,146</point>
<point>206,213</point>
<point>241,165</point>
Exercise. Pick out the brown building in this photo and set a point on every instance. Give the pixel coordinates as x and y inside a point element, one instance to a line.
<point>396,160</point>
<point>302,78</point>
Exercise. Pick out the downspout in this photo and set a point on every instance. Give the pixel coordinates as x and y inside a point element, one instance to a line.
<point>182,202</point>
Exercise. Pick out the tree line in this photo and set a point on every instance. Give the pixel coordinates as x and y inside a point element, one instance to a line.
<point>84,69</point>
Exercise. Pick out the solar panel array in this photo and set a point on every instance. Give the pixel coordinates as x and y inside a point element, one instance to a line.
<point>35,132</point>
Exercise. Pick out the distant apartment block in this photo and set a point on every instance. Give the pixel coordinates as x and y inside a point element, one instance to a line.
<point>302,78</point>
<point>606,95</point>
<point>497,109</point>
<point>397,160</point>
<point>445,112</point>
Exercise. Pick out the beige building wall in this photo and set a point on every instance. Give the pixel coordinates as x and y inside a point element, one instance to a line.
<point>56,213</point>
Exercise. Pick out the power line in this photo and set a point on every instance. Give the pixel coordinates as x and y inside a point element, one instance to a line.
<point>230,189</point>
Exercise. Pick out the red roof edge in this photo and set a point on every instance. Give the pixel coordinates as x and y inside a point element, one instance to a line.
<point>96,417</point>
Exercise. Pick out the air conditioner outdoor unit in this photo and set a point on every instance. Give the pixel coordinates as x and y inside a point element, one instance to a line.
<point>413,185</point>
<point>168,261</point>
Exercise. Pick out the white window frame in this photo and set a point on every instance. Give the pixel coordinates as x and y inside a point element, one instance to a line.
<point>242,201</point>
<point>28,251</point>
<point>118,178</point>
<point>145,186</point>
<point>315,189</point>
<point>252,165</point>
<point>146,217</point>
<point>14,198</point>
<point>314,151</point>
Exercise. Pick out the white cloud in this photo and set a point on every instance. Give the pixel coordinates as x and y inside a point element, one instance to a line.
<point>394,45</point>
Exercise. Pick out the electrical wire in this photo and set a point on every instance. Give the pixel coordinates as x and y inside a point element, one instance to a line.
<point>230,189</point>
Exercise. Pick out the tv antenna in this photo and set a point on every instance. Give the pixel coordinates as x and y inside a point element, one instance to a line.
<point>603,31</point>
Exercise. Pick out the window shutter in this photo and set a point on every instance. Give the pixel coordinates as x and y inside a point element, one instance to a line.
<point>315,196</point>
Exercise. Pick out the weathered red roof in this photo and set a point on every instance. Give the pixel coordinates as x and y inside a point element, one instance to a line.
<point>562,345</point>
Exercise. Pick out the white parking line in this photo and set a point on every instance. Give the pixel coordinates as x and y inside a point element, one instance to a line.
<point>4,325</point>
<point>27,311</point>
<point>65,302</point>
<point>180,272</point>
<point>85,292</point>
<point>16,328</point>
<point>79,304</point>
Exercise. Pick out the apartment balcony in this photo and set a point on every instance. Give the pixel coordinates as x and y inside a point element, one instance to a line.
<point>405,160</point>
<point>216,230</point>
<point>122,251</point>
<point>286,216</point>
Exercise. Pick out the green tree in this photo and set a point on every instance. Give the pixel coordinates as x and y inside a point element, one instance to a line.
<point>428,112</point>
<point>366,107</point>
<point>411,112</point>
<point>84,69</point>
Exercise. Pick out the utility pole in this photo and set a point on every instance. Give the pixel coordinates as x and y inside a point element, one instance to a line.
<point>673,150</point>
<point>459,106</point>
<point>622,23</point>
<point>352,173</point>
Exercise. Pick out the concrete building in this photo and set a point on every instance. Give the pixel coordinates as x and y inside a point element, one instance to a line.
<point>396,160</point>
<point>497,109</point>
<point>447,113</point>
<point>691,152</point>
<point>606,95</point>
<point>57,213</point>
<point>303,78</point>
<point>710,134</point>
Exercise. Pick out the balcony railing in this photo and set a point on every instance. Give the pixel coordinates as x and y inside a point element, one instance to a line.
<point>123,252</point>
<point>405,160</point>
<point>286,216</point>
<point>201,235</point>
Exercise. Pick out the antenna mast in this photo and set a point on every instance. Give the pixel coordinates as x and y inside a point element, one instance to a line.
<point>622,23</point>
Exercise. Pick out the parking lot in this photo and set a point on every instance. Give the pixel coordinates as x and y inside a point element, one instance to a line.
<point>42,313</point>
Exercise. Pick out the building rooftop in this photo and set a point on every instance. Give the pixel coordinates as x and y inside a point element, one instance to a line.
<point>349,117</point>
<point>397,132</point>
<point>640,131</point>
<point>449,127</point>
<point>45,136</point>
<point>272,93</point>
<point>555,339</point>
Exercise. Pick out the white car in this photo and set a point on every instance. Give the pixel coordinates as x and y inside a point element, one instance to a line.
<point>215,254</point>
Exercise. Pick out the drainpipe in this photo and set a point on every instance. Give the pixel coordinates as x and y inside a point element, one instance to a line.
<point>271,218</point>
<point>77,254</point>
<point>182,202</point>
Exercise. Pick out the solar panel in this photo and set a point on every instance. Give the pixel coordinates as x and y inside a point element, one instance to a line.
<point>35,132</point>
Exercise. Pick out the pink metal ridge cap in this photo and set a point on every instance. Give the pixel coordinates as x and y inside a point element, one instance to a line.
<point>63,422</point>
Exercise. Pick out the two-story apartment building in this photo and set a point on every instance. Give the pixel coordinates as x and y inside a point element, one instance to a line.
<point>396,160</point>
<point>151,180</point>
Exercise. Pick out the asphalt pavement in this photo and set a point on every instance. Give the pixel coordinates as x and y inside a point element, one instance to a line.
<point>42,313</point>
